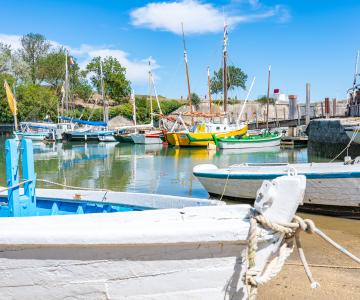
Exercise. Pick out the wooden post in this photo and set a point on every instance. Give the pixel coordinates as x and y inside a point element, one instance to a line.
<point>327,107</point>
<point>298,113</point>
<point>292,107</point>
<point>307,107</point>
<point>334,107</point>
<point>322,109</point>
<point>284,110</point>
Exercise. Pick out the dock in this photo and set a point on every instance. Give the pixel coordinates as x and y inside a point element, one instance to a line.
<point>294,141</point>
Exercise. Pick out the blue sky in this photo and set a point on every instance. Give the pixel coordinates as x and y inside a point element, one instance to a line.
<point>304,41</point>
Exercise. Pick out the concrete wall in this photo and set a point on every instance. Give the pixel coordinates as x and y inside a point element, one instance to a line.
<point>327,138</point>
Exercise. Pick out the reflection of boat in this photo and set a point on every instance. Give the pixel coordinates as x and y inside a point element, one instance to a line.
<point>124,244</point>
<point>331,188</point>
<point>250,142</point>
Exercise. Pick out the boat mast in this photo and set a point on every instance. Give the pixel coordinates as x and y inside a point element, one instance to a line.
<point>132,98</point>
<point>66,85</point>
<point>225,66</point>
<point>150,97</point>
<point>356,74</point>
<point>105,102</point>
<point>187,70</point>
<point>209,90</point>
<point>268,98</point>
<point>156,95</point>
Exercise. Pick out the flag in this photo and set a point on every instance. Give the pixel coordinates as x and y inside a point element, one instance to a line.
<point>71,61</point>
<point>10,97</point>
<point>225,36</point>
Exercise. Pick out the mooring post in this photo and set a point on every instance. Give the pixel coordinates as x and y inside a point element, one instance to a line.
<point>298,114</point>
<point>322,109</point>
<point>12,175</point>
<point>334,107</point>
<point>307,107</point>
<point>292,114</point>
<point>327,107</point>
<point>28,172</point>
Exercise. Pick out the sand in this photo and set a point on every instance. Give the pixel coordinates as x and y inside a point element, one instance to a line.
<point>336,283</point>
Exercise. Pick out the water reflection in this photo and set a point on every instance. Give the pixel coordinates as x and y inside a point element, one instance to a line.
<point>139,168</point>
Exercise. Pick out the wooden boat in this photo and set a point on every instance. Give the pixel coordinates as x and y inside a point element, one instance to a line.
<point>203,134</point>
<point>36,131</point>
<point>332,188</point>
<point>89,134</point>
<point>147,138</point>
<point>192,252</point>
<point>124,137</point>
<point>250,142</point>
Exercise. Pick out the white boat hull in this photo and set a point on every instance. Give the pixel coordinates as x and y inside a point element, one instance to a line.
<point>139,138</point>
<point>329,193</point>
<point>34,137</point>
<point>196,252</point>
<point>249,145</point>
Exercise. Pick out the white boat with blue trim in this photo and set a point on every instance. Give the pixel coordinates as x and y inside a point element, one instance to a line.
<point>332,188</point>
<point>105,245</point>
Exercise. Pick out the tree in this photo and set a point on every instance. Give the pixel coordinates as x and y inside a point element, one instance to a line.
<point>195,100</point>
<point>116,86</point>
<point>5,57</point>
<point>36,102</point>
<point>34,47</point>
<point>236,78</point>
<point>263,100</point>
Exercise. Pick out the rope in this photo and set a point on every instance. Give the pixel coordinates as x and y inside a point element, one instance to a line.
<point>347,146</point>
<point>291,232</point>
<point>71,187</point>
<point>15,186</point>
<point>324,266</point>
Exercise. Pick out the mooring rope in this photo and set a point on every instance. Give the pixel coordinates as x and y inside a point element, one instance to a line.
<point>4,189</point>
<point>290,231</point>
<point>347,146</point>
<point>71,186</point>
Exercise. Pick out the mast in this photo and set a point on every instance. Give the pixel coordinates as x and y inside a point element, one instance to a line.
<point>356,74</point>
<point>105,102</point>
<point>132,98</point>
<point>268,98</point>
<point>66,84</point>
<point>225,66</point>
<point>150,97</point>
<point>187,69</point>
<point>209,90</point>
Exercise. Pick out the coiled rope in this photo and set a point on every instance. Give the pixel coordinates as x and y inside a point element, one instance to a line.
<point>290,232</point>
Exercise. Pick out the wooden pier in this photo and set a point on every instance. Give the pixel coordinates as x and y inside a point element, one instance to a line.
<point>294,141</point>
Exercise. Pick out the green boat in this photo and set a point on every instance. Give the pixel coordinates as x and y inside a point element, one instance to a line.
<point>252,141</point>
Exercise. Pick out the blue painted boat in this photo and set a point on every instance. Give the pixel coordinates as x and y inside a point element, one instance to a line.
<point>29,201</point>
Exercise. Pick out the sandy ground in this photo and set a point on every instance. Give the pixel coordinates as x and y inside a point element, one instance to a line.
<point>336,283</point>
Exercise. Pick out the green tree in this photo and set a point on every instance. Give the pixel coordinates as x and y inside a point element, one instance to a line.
<point>263,100</point>
<point>36,102</point>
<point>116,86</point>
<point>195,100</point>
<point>34,46</point>
<point>5,57</point>
<point>236,78</point>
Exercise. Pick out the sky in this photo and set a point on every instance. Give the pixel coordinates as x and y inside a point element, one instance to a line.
<point>303,40</point>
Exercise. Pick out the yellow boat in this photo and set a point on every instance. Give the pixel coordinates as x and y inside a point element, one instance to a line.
<point>203,135</point>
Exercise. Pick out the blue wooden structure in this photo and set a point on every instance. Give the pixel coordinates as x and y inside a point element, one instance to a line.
<point>23,202</point>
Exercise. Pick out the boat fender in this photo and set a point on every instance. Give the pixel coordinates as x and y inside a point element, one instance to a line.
<point>357,160</point>
<point>265,196</point>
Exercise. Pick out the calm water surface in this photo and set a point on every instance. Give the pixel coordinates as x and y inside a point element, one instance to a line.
<point>138,168</point>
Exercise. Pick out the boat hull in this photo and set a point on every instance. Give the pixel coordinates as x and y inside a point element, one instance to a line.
<point>188,139</point>
<point>325,194</point>
<point>248,144</point>
<point>124,138</point>
<point>353,133</point>
<point>32,136</point>
<point>140,138</point>
<point>89,136</point>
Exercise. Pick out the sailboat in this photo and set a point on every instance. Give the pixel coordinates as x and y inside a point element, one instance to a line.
<point>152,136</point>
<point>93,130</point>
<point>202,133</point>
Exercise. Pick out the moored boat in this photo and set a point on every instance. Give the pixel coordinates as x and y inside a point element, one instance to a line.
<point>192,252</point>
<point>147,138</point>
<point>332,188</point>
<point>250,142</point>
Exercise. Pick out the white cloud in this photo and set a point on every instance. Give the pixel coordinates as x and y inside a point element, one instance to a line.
<point>198,17</point>
<point>136,70</point>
